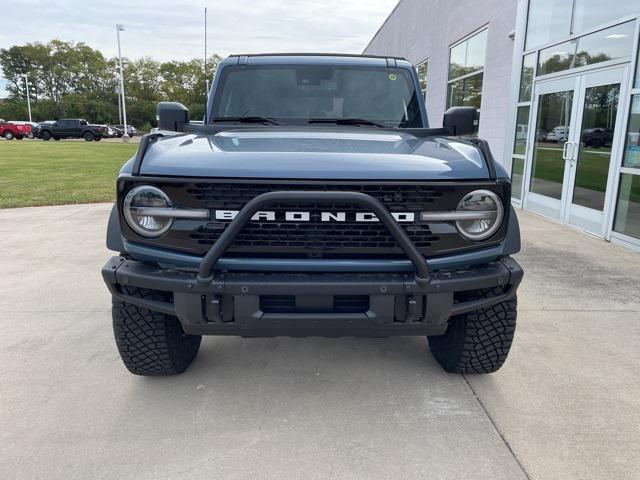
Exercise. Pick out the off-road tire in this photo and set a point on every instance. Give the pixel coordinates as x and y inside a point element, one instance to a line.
<point>88,136</point>
<point>478,341</point>
<point>151,343</point>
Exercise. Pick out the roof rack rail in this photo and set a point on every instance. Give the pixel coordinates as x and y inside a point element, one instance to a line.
<point>311,54</point>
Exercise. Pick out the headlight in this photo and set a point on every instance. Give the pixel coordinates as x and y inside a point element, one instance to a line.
<point>137,205</point>
<point>488,211</point>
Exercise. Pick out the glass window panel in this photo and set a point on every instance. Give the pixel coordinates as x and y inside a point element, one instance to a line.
<point>457,60</point>
<point>632,145</point>
<point>517,174</point>
<point>468,56</point>
<point>522,127</point>
<point>627,220</point>
<point>589,13</point>
<point>476,47</point>
<point>526,77</point>
<point>466,92</point>
<point>609,44</point>
<point>552,130</point>
<point>548,20</point>
<point>594,156</point>
<point>422,77</point>
<point>557,58</point>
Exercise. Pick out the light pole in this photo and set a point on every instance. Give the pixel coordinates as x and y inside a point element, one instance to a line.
<point>125,135</point>
<point>119,103</point>
<point>206,78</point>
<point>26,81</point>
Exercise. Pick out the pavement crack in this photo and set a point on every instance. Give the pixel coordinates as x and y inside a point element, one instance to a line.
<point>584,310</point>
<point>495,427</point>
<point>66,216</point>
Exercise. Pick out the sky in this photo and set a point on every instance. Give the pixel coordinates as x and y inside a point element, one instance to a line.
<point>165,29</point>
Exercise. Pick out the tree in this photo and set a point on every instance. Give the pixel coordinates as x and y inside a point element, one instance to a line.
<point>68,79</point>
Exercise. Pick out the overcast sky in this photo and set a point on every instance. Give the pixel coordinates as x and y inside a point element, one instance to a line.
<point>165,29</point>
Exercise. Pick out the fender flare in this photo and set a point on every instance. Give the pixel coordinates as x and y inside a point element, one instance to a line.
<point>512,239</point>
<point>114,234</point>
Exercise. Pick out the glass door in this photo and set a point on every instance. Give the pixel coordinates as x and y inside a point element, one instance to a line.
<point>555,106</point>
<point>571,167</point>
<point>594,147</point>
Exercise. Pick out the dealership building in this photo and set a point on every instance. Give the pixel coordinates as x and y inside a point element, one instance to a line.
<point>557,88</point>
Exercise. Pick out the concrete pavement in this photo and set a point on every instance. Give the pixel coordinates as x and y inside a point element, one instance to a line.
<point>565,405</point>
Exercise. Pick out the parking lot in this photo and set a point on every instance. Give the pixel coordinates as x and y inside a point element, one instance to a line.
<point>566,404</point>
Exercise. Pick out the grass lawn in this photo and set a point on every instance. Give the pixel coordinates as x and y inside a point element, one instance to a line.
<point>33,172</point>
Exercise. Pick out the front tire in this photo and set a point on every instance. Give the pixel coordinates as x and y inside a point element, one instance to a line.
<point>478,341</point>
<point>88,136</point>
<point>46,136</point>
<point>151,343</point>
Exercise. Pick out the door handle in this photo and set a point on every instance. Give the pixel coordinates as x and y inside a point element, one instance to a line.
<point>565,148</point>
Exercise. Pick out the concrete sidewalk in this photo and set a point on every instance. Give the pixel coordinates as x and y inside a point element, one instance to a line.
<point>566,404</point>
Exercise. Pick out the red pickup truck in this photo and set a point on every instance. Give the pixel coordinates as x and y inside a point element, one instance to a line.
<point>11,131</point>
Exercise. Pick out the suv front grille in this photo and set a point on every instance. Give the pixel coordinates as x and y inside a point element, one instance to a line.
<point>314,238</point>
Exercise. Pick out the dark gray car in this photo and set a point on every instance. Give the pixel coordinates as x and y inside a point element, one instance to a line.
<point>314,200</point>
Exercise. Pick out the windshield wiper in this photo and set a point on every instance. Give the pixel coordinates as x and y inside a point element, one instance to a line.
<point>267,120</point>
<point>347,121</point>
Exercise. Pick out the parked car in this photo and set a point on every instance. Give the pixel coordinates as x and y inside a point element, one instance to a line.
<point>9,131</point>
<point>25,127</point>
<point>131,130</point>
<point>541,135</point>
<point>108,131</point>
<point>70,128</point>
<point>356,220</point>
<point>597,137</point>
<point>558,134</point>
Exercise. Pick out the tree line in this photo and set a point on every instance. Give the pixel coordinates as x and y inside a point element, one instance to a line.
<point>73,80</point>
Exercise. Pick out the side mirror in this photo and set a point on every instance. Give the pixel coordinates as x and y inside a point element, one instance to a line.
<point>461,120</point>
<point>172,116</point>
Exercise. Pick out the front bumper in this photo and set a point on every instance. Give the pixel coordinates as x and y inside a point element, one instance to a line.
<point>301,304</point>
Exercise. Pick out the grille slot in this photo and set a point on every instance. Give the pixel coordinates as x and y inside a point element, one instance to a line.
<point>340,304</point>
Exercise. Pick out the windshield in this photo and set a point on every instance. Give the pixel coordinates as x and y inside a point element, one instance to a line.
<point>297,94</point>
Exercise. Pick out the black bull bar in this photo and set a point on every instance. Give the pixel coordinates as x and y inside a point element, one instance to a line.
<point>231,303</point>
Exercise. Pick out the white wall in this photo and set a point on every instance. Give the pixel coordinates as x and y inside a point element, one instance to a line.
<point>420,29</point>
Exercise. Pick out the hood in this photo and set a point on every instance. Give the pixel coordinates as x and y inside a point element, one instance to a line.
<point>351,153</point>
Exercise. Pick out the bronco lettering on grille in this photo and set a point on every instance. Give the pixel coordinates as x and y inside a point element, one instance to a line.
<point>299,216</point>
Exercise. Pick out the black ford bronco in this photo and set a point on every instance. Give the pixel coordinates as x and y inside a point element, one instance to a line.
<point>314,199</point>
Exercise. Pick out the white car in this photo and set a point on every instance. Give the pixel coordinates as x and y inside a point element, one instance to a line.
<point>558,134</point>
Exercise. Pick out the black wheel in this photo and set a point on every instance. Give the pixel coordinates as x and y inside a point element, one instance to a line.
<point>46,135</point>
<point>57,139</point>
<point>151,343</point>
<point>20,137</point>
<point>596,143</point>
<point>88,136</point>
<point>97,139</point>
<point>478,341</point>
<point>8,135</point>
